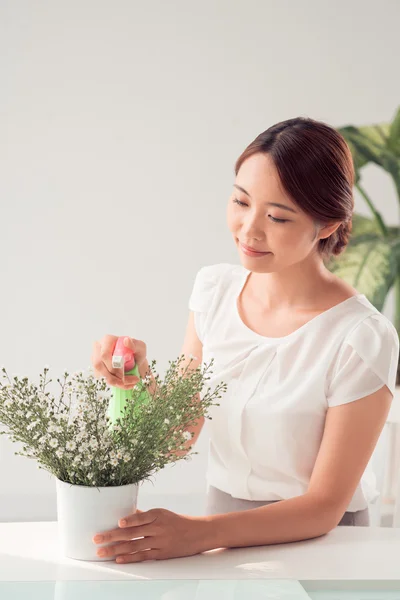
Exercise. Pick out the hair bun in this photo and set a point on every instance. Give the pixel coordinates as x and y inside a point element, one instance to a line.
<point>341,237</point>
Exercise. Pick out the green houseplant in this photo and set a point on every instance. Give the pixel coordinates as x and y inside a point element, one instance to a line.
<point>371,261</point>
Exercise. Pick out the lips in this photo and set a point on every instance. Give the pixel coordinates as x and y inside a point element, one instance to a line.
<point>254,249</point>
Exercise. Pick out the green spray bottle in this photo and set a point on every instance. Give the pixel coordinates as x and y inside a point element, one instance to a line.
<point>123,357</point>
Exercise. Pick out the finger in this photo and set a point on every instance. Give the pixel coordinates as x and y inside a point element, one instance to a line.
<point>112,377</point>
<point>129,383</point>
<point>138,518</point>
<point>138,556</point>
<point>114,381</point>
<point>129,343</point>
<point>125,548</point>
<point>123,534</point>
<point>106,352</point>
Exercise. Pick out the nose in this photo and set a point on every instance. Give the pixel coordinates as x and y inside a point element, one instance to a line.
<point>253,228</point>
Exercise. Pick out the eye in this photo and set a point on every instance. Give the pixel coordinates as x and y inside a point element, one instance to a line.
<point>236,201</point>
<point>277,220</point>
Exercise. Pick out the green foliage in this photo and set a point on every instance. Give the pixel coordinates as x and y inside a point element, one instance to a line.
<point>73,438</point>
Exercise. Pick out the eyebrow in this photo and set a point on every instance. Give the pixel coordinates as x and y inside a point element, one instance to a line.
<point>284,206</point>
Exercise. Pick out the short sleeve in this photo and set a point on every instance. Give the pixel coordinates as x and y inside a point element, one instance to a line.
<point>203,294</point>
<point>367,361</point>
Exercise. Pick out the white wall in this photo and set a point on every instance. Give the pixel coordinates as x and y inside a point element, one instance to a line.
<point>120,124</point>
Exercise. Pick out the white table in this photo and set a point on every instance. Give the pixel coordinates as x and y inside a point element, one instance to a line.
<point>349,563</point>
<point>29,552</point>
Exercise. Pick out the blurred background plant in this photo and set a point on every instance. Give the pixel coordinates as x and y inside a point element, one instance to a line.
<point>371,261</point>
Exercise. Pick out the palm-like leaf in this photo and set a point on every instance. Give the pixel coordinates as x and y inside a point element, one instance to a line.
<point>394,135</point>
<point>368,265</point>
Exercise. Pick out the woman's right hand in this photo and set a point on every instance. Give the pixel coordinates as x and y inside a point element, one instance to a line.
<point>102,361</point>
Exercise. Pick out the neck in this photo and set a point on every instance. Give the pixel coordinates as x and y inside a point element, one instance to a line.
<point>294,287</point>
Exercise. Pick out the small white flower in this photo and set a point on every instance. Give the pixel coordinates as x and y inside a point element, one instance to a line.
<point>192,357</point>
<point>60,417</point>
<point>187,435</point>
<point>8,403</point>
<point>60,453</point>
<point>71,445</point>
<point>114,462</point>
<point>166,421</point>
<point>53,443</point>
<point>127,457</point>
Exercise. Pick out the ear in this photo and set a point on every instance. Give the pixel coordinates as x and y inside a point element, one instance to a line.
<point>327,230</point>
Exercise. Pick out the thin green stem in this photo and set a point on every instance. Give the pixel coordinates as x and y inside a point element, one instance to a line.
<point>376,214</point>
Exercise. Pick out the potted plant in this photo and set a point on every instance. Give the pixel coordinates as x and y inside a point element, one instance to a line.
<point>371,261</point>
<point>98,465</point>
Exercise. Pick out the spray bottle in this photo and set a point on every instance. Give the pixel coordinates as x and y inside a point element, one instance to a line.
<point>123,357</point>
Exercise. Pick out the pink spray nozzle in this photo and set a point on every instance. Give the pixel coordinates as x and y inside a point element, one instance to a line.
<point>123,357</point>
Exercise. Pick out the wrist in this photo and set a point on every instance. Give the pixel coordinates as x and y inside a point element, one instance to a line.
<point>209,532</point>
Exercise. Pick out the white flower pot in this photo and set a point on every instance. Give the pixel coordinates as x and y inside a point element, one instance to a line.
<point>83,511</point>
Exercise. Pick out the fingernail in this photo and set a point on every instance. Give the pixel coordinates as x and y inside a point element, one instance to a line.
<point>98,539</point>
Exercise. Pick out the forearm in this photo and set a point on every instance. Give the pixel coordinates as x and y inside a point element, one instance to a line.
<point>295,519</point>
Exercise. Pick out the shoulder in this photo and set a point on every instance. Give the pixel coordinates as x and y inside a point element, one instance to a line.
<point>212,273</point>
<point>207,280</point>
<point>374,333</point>
<point>370,351</point>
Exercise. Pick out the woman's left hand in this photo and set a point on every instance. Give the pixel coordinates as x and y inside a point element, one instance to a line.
<point>164,534</point>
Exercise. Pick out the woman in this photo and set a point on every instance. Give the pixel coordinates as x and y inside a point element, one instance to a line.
<point>309,362</point>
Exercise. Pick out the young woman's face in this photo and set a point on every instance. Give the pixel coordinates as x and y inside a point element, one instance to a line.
<point>285,232</point>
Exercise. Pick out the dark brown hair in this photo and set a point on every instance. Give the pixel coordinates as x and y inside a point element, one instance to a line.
<point>316,169</point>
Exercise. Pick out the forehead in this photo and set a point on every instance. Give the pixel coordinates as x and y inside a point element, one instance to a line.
<point>259,177</point>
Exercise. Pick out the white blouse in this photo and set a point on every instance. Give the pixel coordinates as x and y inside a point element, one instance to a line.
<point>266,433</point>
